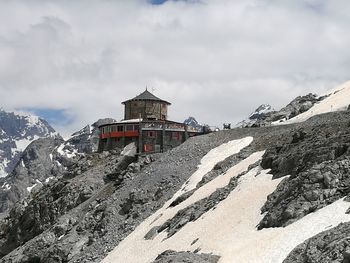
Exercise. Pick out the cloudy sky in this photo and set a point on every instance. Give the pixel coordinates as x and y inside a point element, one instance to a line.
<point>73,62</point>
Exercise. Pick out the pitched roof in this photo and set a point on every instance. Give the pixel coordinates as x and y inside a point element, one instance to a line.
<point>146,96</point>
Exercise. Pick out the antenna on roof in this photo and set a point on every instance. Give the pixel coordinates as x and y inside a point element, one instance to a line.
<point>146,88</point>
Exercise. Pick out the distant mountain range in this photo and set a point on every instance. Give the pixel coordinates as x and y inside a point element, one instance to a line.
<point>17,131</point>
<point>32,154</point>
<point>265,115</point>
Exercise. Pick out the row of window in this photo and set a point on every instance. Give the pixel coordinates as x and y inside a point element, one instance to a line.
<point>120,128</point>
<point>135,127</point>
<point>174,135</point>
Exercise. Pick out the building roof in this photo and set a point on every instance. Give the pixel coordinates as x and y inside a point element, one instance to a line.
<point>146,96</point>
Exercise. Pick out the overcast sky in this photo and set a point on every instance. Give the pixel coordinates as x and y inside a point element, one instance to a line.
<point>217,60</point>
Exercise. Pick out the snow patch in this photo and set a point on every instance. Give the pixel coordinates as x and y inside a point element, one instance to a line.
<point>49,179</point>
<point>3,166</point>
<point>135,249</point>
<point>30,188</point>
<point>22,144</point>
<point>5,186</point>
<point>68,153</point>
<point>38,183</point>
<point>129,150</point>
<point>213,157</point>
<point>32,120</point>
<point>230,230</point>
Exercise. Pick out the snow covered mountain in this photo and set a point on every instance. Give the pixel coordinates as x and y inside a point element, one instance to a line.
<point>257,117</point>
<point>17,131</point>
<point>45,159</point>
<point>261,112</point>
<point>193,123</point>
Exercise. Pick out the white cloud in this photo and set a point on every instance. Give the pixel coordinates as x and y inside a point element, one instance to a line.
<point>214,59</point>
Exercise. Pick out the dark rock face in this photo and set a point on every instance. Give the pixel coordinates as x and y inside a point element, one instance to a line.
<point>36,167</point>
<point>185,257</point>
<point>16,132</point>
<point>318,162</point>
<point>297,106</point>
<point>329,246</point>
<point>54,199</point>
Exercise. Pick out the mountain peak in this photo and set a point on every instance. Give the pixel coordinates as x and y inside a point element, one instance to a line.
<point>17,131</point>
<point>260,112</point>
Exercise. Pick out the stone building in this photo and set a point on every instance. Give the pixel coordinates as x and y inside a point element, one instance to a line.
<point>146,106</point>
<point>145,123</point>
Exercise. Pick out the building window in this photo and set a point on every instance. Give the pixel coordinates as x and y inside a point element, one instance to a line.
<point>129,127</point>
<point>176,136</point>
<point>148,148</point>
<point>136,127</point>
<point>120,128</point>
<point>152,134</point>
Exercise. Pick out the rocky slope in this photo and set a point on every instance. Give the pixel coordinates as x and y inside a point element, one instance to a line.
<point>45,159</point>
<point>98,201</point>
<point>38,165</point>
<point>257,194</point>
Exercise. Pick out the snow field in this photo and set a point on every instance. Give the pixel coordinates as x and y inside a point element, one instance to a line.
<point>134,246</point>
<point>213,157</point>
<point>229,230</point>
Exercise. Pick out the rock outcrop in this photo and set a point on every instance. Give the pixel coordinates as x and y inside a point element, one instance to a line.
<point>36,167</point>
<point>318,164</point>
<point>185,257</point>
<point>329,246</point>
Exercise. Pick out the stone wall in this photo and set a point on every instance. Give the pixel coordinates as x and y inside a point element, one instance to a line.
<point>147,109</point>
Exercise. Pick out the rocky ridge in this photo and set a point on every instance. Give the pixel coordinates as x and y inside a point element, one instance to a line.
<point>264,115</point>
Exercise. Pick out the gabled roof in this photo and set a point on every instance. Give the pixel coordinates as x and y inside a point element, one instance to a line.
<point>146,96</point>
